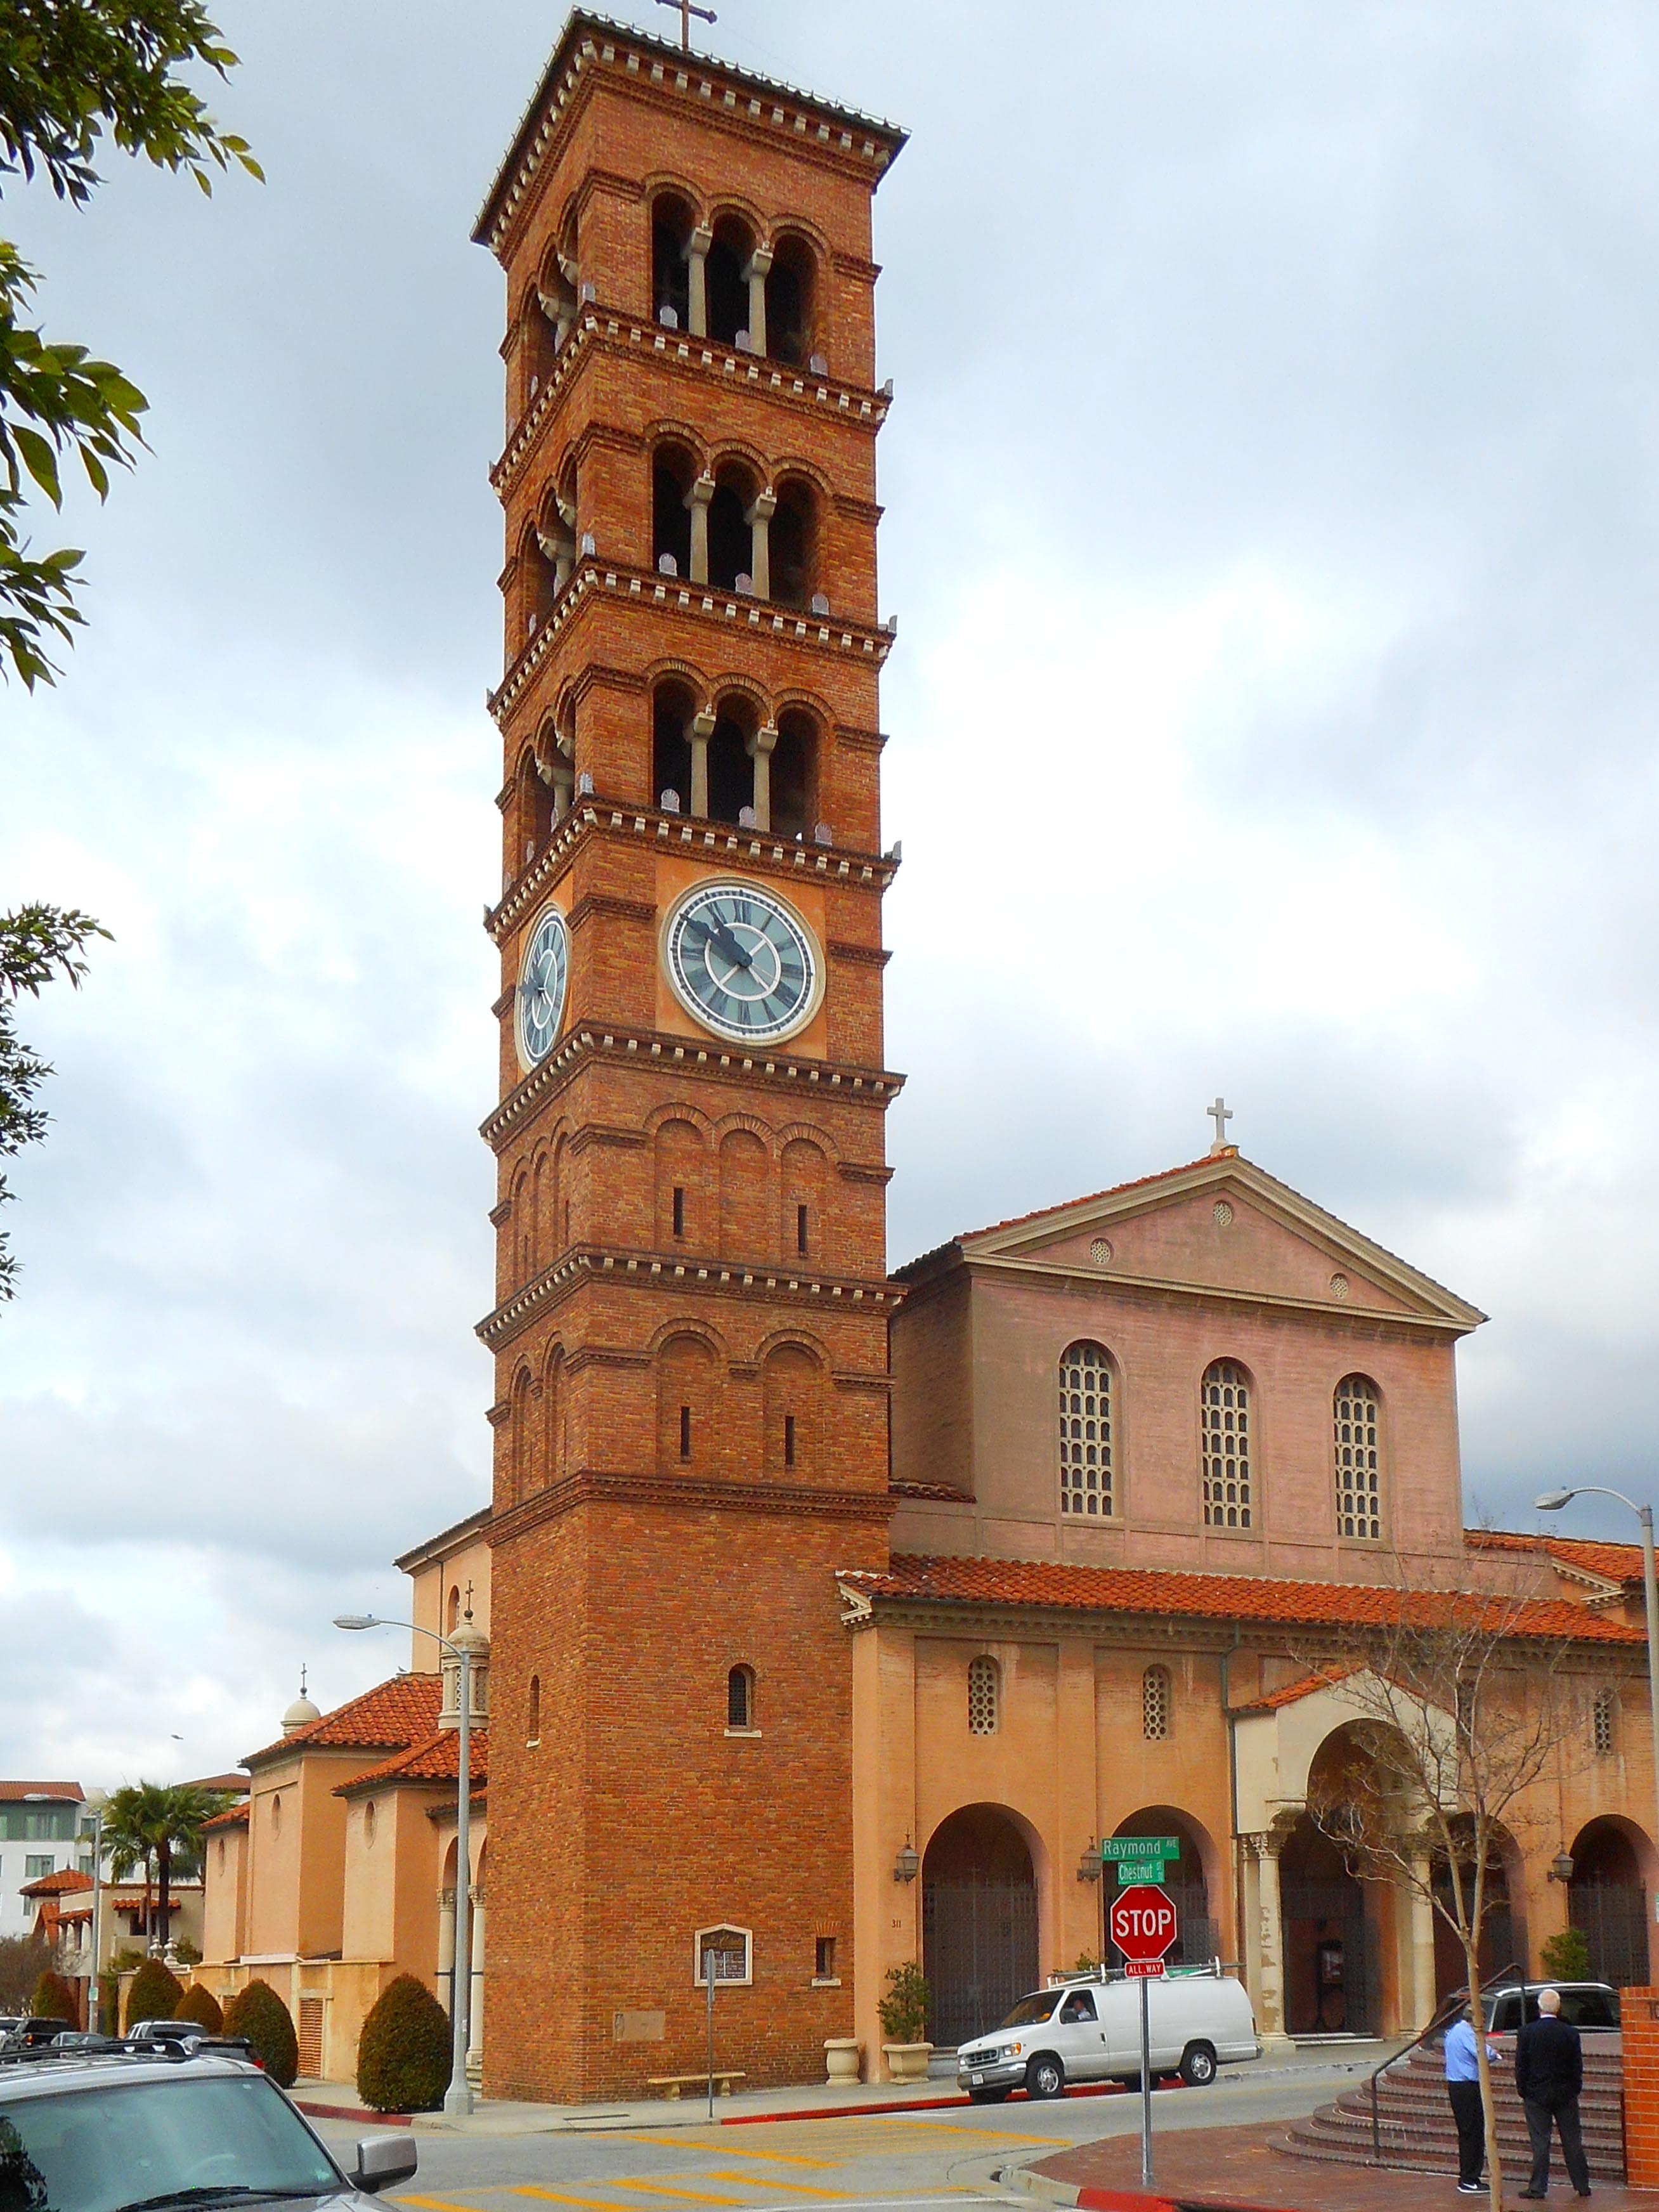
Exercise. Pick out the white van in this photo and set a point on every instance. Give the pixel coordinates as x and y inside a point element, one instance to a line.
<point>1090,2031</point>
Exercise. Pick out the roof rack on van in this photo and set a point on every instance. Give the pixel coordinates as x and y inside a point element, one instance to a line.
<point>1212,1969</point>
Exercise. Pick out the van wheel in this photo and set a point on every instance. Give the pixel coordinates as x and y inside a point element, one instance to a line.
<point>987,2096</point>
<point>1198,2065</point>
<point>1045,2077</point>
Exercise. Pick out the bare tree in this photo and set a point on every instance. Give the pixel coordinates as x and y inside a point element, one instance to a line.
<point>1458,1699</point>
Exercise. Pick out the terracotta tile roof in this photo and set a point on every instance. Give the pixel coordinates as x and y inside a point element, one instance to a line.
<point>11,1791</point>
<point>389,1717</point>
<point>232,1785</point>
<point>1222,1597</point>
<point>63,1883</point>
<point>1293,1692</point>
<point>1616,1563</point>
<point>437,1759</point>
<point>236,1816</point>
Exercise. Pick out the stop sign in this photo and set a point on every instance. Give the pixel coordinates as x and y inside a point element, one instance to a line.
<point>1143,1922</point>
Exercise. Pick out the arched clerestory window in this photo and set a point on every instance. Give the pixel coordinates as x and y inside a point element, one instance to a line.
<point>1357,1418</point>
<point>1085,1432</point>
<point>1225,1418</point>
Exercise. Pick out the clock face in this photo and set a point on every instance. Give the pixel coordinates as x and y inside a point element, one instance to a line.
<point>741,962</point>
<point>542,980</point>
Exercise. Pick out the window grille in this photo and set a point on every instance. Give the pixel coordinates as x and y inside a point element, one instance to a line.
<point>983,1696</point>
<point>1357,1416</point>
<point>1226,1426</point>
<point>1155,1704</point>
<point>740,1698</point>
<point>1601,1718</point>
<point>1085,1432</point>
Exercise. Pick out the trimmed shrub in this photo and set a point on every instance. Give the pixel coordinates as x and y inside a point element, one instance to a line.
<point>54,1999</point>
<point>186,1953</point>
<point>200,2005</point>
<point>1566,1956</point>
<point>903,2011</point>
<point>259,2013</point>
<point>153,1993</point>
<point>404,2053</point>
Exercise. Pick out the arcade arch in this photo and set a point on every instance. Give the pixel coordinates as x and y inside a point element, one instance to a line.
<point>979,1920</point>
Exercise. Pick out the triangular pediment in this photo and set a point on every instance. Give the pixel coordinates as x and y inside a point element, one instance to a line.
<point>1222,1224</point>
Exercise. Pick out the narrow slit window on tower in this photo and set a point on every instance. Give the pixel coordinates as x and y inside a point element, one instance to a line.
<point>685,1432</point>
<point>1601,1722</point>
<point>1226,1415</point>
<point>1155,1704</point>
<point>679,1209</point>
<point>984,1696</point>
<point>1085,1432</point>
<point>740,1698</point>
<point>789,1440</point>
<point>1357,1416</point>
<point>801,1240</point>
<point>534,1730</point>
<point>823,1968</point>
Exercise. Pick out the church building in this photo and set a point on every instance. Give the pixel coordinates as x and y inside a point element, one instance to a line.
<point>836,1616</point>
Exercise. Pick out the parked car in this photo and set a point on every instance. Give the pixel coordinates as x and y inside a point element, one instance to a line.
<point>29,2034</point>
<point>1588,2005</point>
<point>182,2032</point>
<point>80,2038</point>
<point>1090,2031</point>
<point>81,2131</point>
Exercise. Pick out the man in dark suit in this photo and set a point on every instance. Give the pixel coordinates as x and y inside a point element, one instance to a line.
<point>1549,2072</point>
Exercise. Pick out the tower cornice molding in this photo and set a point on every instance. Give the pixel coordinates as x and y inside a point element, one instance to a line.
<point>754,850</point>
<point>649,1048</point>
<point>706,362</point>
<point>615,582</point>
<point>658,1271</point>
<point>692,1493</point>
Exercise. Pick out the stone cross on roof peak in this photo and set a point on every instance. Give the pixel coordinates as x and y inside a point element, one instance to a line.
<point>687,10</point>
<point>1221,1113</point>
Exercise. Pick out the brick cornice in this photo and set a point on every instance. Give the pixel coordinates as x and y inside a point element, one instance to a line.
<point>778,1071</point>
<point>608,1134</point>
<point>860,955</point>
<point>689,1494</point>
<point>756,851</point>
<point>598,905</point>
<point>659,1271</point>
<point>838,638</point>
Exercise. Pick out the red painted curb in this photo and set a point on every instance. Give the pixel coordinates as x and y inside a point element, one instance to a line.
<point>1123,2200</point>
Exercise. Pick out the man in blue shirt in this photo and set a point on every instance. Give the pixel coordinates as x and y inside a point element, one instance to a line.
<point>1463,2088</point>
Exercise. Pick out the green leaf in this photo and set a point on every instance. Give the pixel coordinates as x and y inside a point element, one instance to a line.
<point>40,461</point>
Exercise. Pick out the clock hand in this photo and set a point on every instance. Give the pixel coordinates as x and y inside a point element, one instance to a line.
<point>729,945</point>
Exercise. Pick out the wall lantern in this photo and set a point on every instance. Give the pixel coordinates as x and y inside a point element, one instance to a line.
<point>1088,1867</point>
<point>1560,1868</point>
<point>907,1866</point>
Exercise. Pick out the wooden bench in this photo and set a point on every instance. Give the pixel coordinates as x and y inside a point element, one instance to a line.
<point>724,2076</point>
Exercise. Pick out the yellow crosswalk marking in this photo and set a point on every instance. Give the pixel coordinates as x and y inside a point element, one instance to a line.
<point>433,2205</point>
<point>726,2150</point>
<point>770,2181</point>
<point>555,2197</point>
<point>662,2189</point>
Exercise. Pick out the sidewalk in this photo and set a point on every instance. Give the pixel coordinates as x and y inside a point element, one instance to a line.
<point>1238,2170</point>
<point>812,2100</point>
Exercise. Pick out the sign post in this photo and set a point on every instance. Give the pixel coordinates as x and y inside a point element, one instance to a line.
<point>1143,1923</point>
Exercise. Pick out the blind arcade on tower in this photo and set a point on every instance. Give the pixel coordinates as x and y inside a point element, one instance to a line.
<point>692,1299</point>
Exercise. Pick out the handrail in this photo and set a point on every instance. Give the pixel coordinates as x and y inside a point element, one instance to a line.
<point>1442,2015</point>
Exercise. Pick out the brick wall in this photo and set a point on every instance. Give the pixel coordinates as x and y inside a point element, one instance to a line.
<point>1639,2015</point>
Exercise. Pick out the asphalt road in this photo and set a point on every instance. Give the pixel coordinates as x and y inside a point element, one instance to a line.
<point>932,2159</point>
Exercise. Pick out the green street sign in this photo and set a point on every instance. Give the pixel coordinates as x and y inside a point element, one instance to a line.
<point>1119,1848</point>
<point>1139,1873</point>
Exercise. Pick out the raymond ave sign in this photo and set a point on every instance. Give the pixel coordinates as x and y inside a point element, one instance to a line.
<point>1143,1923</point>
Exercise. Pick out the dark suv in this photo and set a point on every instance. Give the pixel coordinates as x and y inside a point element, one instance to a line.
<point>137,2131</point>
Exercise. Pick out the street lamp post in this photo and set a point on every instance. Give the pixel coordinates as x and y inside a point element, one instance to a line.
<point>96,1800</point>
<point>1551,1501</point>
<point>458,2098</point>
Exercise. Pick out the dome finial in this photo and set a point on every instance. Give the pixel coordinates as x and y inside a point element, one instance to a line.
<point>301,1713</point>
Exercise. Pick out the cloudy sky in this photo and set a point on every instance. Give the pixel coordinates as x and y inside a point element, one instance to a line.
<point>1271,523</point>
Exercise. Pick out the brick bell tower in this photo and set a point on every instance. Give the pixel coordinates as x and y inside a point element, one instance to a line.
<point>690,1333</point>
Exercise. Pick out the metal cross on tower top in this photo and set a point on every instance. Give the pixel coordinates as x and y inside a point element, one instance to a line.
<point>1221,1113</point>
<point>687,10</point>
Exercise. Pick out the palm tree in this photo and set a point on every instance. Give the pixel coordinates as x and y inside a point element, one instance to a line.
<point>159,1825</point>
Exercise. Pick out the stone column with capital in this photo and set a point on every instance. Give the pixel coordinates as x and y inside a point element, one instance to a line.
<point>699,731</point>
<point>696,269</point>
<point>1422,1943</point>
<point>760,751</point>
<point>476,2021</point>
<point>759,518</point>
<point>1269,1946</point>
<point>446,1976</point>
<point>758,270</point>
<point>697,500</point>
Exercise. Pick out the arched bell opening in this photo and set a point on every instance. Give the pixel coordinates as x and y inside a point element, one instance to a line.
<point>979,1921</point>
<point>672,221</point>
<point>794,543</point>
<point>731,761</point>
<point>673,708</point>
<point>729,279</point>
<point>732,529</point>
<point>673,473</point>
<point>794,775</point>
<point>791,298</point>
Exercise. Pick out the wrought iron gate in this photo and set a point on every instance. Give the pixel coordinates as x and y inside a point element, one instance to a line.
<point>979,1952</point>
<point>1614,1916</point>
<point>1341,1906</point>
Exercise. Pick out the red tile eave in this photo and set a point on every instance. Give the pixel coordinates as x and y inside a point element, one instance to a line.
<point>65,1882</point>
<point>1042,1213</point>
<point>1615,1563</point>
<point>11,1791</point>
<point>1167,1595</point>
<point>435,1763</point>
<point>235,1817</point>
<point>389,1717</point>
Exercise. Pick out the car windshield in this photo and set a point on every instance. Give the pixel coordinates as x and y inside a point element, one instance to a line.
<point>1029,2010</point>
<point>111,2148</point>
